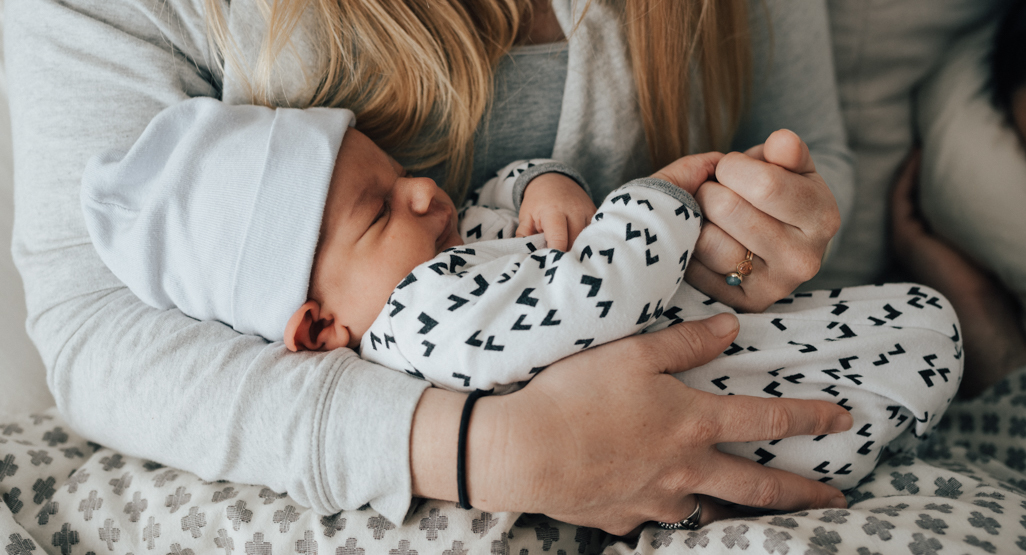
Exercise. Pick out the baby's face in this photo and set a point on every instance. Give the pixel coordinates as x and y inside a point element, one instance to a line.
<point>379,224</point>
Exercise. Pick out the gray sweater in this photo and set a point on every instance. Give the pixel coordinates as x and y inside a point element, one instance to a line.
<point>87,76</point>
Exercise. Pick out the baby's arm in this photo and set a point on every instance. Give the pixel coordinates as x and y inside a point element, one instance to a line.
<point>496,312</point>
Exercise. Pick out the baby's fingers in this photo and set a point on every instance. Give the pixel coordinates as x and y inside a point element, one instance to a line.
<point>527,228</point>
<point>576,226</point>
<point>557,232</point>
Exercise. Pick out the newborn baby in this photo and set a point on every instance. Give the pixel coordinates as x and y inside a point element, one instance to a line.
<point>465,304</point>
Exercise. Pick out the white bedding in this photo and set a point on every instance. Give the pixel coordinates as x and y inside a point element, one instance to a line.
<point>64,495</point>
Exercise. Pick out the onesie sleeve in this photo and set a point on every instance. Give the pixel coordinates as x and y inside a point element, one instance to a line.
<point>506,189</point>
<point>329,428</point>
<point>497,312</point>
<point>795,88</point>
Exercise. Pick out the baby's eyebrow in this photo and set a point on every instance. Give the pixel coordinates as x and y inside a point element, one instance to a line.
<point>355,216</point>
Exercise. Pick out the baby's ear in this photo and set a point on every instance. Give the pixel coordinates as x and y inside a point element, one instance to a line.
<point>307,330</point>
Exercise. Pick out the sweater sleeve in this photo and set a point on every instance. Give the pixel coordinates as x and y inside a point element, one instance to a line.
<point>329,428</point>
<point>494,313</point>
<point>795,88</point>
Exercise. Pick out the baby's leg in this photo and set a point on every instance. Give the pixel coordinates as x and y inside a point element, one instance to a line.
<point>890,354</point>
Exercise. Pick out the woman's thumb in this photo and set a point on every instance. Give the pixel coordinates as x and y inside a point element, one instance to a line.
<point>691,344</point>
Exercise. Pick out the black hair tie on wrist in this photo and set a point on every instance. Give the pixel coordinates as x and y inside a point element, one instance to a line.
<point>461,448</point>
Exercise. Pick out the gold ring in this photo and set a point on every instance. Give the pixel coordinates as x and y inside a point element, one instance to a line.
<point>743,270</point>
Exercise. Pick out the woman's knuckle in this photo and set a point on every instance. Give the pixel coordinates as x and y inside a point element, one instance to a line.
<point>636,348</point>
<point>729,161</point>
<point>767,492</point>
<point>721,205</point>
<point>800,266</point>
<point>765,175</point>
<point>768,186</point>
<point>779,422</point>
<point>806,266</point>
<point>833,222</point>
<point>703,431</point>
<point>757,304</point>
<point>675,515</point>
<point>691,343</point>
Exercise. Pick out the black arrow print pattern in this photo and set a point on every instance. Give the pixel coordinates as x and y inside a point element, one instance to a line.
<point>822,344</point>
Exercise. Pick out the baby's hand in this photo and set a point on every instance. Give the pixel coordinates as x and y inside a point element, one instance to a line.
<point>557,206</point>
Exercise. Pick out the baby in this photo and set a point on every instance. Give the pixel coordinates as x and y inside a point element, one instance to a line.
<point>465,304</point>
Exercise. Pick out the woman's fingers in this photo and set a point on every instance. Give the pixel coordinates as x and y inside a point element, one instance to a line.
<point>733,227</point>
<point>651,445</point>
<point>690,172</point>
<point>689,344</point>
<point>746,418</point>
<point>786,149</point>
<point>718,254</point>
<point>717,250</point>
<point>801,200</point>
<point>739,480</point>
<point>782,258</point>
<point>771,201</point>
<point>713,283</point>
<point>779,178</point>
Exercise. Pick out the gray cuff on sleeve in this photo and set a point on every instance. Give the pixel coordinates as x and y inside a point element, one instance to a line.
<point>666,187</point>
<point>364,438</point>
<point>548,167</point>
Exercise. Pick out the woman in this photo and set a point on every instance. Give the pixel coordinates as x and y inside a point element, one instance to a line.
<point>337,432</point>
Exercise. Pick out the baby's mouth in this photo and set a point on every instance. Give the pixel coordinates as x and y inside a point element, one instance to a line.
<point>448,232</point>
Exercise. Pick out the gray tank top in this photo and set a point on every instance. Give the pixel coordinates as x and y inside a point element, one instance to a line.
<point>525,111</point>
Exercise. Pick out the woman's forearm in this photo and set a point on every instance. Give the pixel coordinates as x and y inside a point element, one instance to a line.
<point>331,429</point>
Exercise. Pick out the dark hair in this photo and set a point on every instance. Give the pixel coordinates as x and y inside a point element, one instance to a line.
<point>1008,59</point>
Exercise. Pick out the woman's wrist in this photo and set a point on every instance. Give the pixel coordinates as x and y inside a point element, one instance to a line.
<point>490,486</point>
<point>433,451</point>
<point>433,439</point>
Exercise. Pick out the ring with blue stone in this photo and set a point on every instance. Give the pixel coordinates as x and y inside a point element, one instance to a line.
<point>744,269</point>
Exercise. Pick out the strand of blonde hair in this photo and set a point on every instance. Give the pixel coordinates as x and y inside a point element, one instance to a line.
<point>418,75</point>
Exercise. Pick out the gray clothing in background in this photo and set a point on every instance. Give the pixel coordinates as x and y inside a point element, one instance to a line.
<point>86,76</point>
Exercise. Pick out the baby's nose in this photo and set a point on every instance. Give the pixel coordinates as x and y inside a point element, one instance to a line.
<point>421,191</point>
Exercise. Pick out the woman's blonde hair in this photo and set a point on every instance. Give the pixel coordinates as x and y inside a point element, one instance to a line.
<point>419,74</point>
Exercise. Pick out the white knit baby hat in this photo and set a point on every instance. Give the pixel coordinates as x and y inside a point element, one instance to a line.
<point>216,209</point>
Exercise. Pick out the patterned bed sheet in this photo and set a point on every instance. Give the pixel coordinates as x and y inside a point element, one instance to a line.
<point>964,492</point>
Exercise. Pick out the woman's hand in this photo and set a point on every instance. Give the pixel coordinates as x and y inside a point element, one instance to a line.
<point>607,438</point>
<point>995,343</point>
<point>771,201</point>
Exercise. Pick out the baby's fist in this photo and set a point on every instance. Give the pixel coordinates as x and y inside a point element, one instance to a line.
<point>557,206</point>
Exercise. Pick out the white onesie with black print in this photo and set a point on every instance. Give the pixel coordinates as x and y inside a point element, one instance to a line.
<point>492,313</point>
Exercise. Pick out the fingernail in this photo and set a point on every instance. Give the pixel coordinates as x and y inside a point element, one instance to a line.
<point>842,422</point>
<point>838,502</point>
<point>722,325</point>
